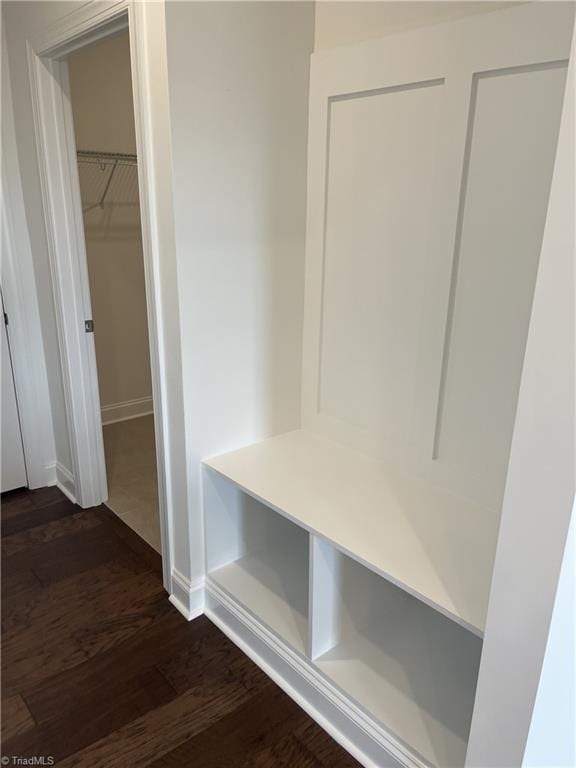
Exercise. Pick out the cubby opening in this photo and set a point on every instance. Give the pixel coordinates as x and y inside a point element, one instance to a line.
<point>259,558</point>
<point>407,665</point>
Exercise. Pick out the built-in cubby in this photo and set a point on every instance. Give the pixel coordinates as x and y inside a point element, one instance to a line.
<point>258,558</point>
<point>411,668</point>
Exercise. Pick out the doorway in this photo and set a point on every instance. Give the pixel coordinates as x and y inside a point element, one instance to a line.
<point>103,114</point>
<point>49,57</point>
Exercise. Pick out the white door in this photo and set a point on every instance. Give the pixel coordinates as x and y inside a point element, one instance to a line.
<point>13,465</point>
<point>430,161</point>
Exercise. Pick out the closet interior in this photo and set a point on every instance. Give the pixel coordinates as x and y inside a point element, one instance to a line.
<point>102,107</point>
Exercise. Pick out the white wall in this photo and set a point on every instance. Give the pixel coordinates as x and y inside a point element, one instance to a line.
<point>345,23</point>
<point>238,92</point>
<point>102,105</point>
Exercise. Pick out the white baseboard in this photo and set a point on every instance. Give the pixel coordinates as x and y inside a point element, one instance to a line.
<point>365,739</point>
<point>129,409</point>
<point>59,475</point>
<point>187,596</point>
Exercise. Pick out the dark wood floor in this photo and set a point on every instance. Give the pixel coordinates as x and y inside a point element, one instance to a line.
<point>98,669</point>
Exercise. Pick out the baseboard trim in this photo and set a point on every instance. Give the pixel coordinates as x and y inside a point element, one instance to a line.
<point>129,409</point>
<point>367,741</point>
<point>187,596</point>
<point>59,475</point>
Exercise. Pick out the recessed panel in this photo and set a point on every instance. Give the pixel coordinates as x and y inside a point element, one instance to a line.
<point>515,117</point>
<point>379,208</point>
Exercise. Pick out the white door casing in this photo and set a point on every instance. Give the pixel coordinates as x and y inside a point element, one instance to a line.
<point>59,175</point>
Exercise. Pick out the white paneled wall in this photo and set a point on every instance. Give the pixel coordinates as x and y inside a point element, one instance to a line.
<point>428,189</point>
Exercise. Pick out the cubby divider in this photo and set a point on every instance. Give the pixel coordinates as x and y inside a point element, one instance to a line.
<point>324,565</point>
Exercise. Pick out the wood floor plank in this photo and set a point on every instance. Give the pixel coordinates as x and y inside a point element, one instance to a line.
<point>36,516</point>
<point>20,501</point>
<point>289,752</point>
<point>262,721</point>
<point>106,634</point>
<point>34,538</point>
<point>19,674</point>
<point>17,587</point>
<point>66,640</point>
<point>16,718</point>
<point>92,718</point>
<point>209,662</point>
<point>322,746</point>
<point>307,746</point>
<point>163,638</point>
<point>62,556</point>
<point>83,552</point>
<point>160,731</point>
<point>60,611</point>
<point>68,597</point>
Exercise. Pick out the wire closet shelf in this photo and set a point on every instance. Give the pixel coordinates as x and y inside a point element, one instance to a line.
<point>107,176</point>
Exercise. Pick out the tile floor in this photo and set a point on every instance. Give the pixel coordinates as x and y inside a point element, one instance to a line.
<point>131,471</point>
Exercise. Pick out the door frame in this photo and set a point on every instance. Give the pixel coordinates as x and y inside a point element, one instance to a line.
<point>62,208</point>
